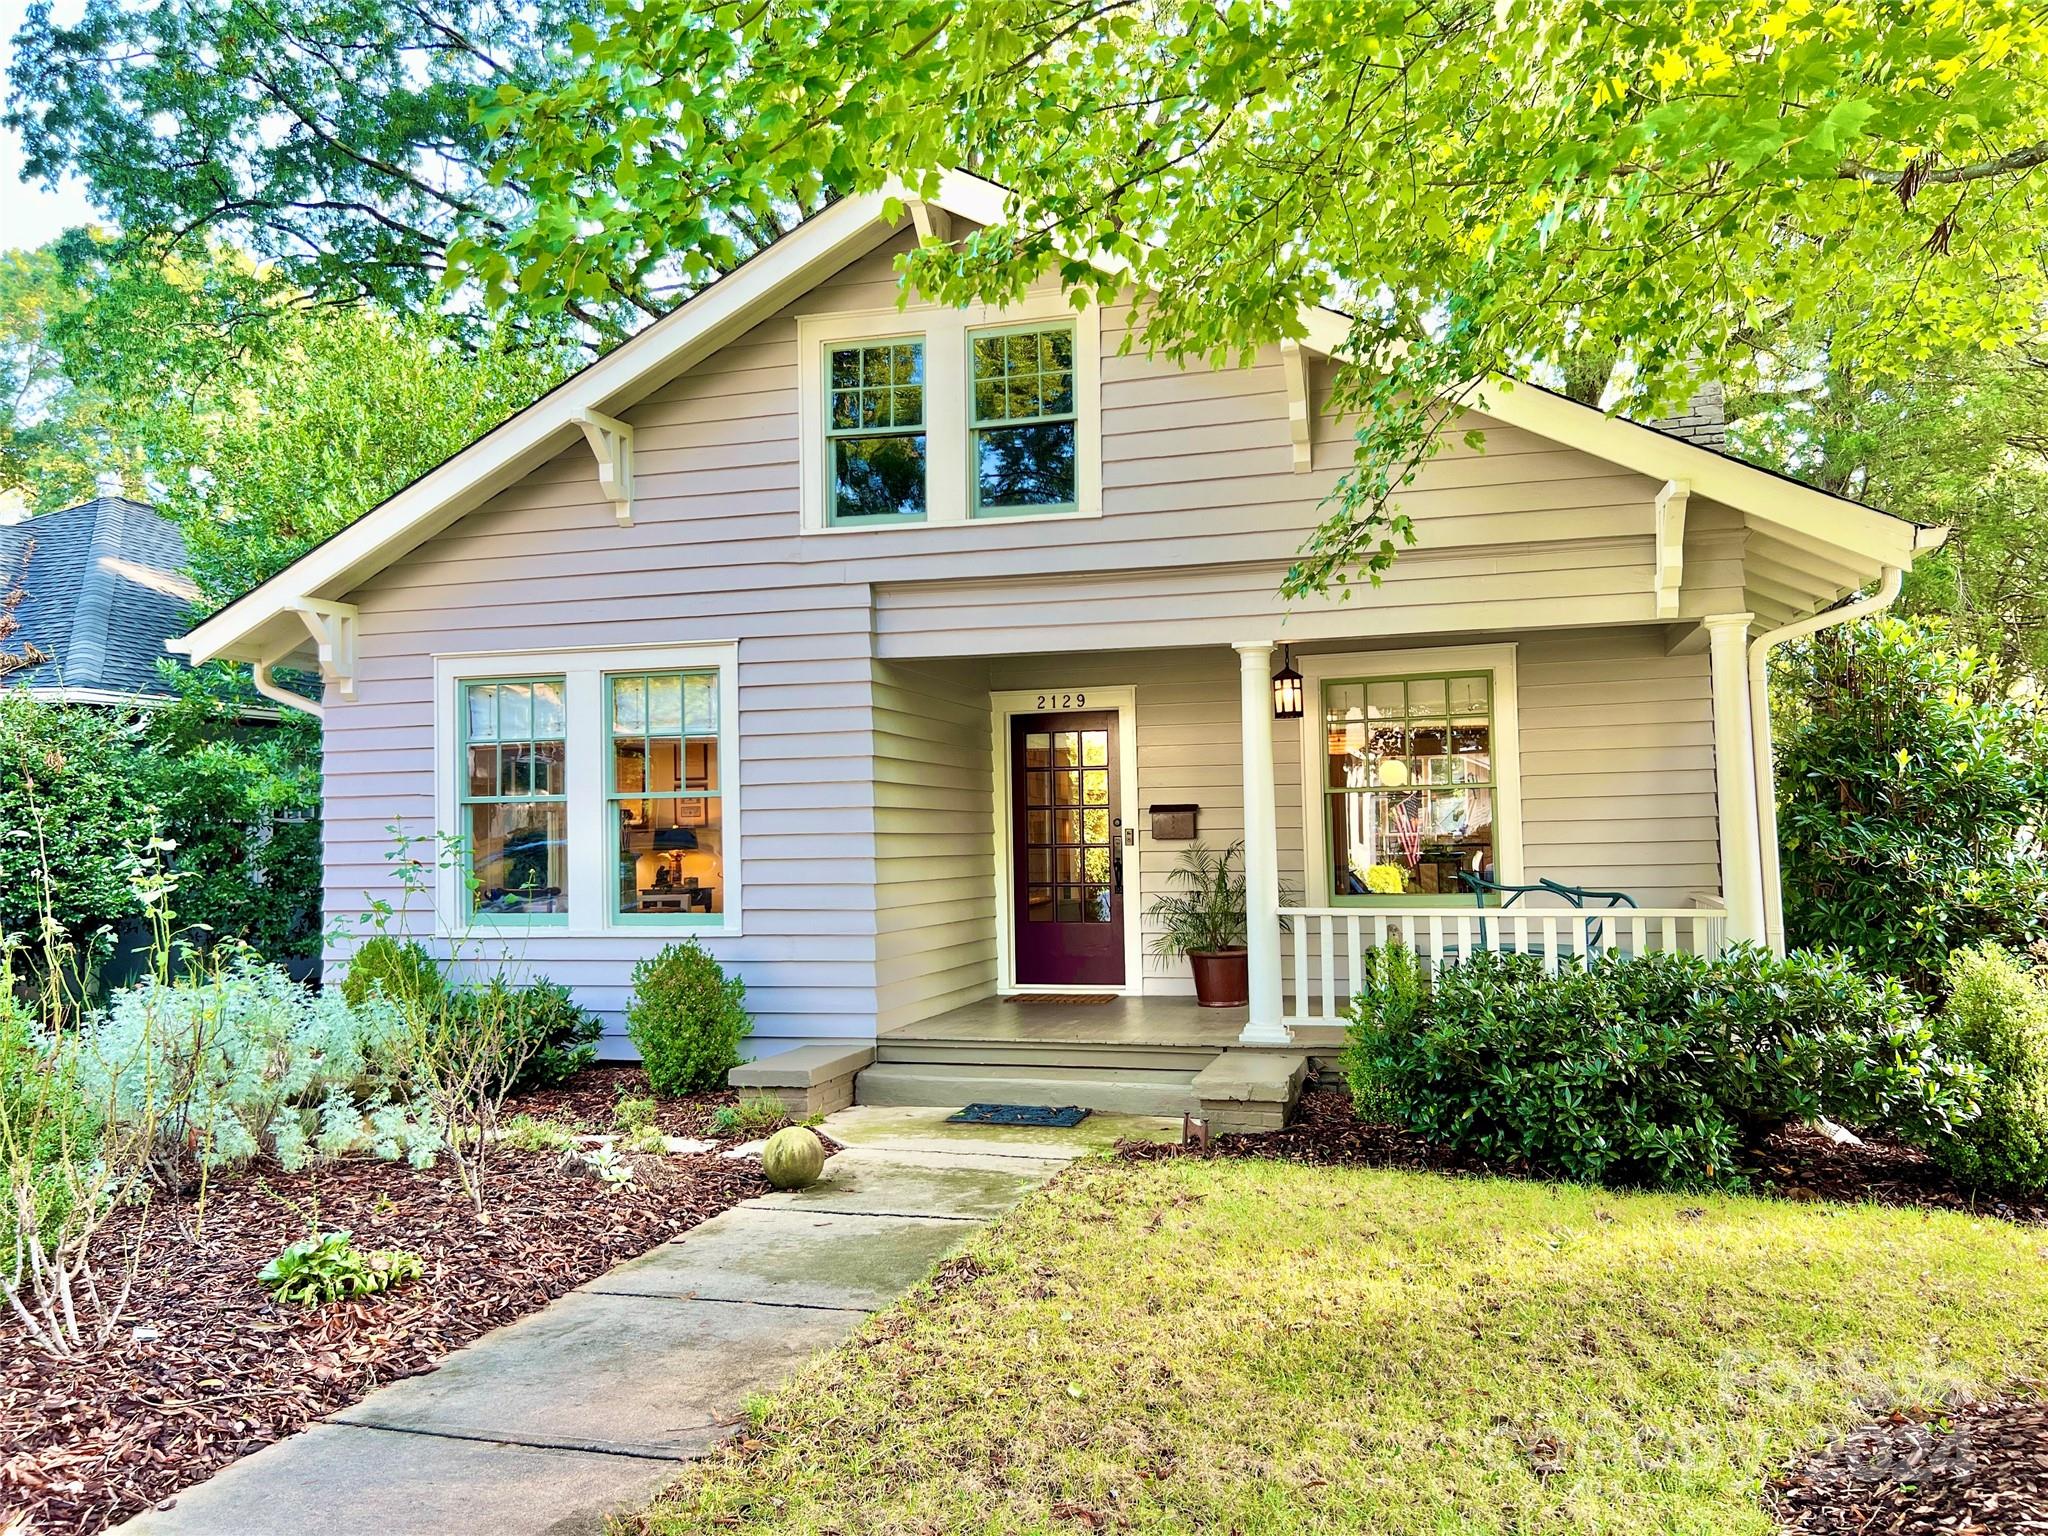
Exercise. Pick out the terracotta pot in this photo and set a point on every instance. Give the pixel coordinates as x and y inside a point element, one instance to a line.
<point>1222,978</point>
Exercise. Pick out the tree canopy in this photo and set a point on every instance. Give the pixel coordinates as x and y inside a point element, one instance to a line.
<point>333,139</point>
<point>1491,186</point>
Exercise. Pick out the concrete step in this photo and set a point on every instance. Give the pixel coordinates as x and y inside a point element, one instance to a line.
<point>1093,1056</point>
<point>1128,1092</point>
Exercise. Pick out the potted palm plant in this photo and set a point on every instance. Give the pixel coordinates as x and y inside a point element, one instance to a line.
<point>1202,916</point>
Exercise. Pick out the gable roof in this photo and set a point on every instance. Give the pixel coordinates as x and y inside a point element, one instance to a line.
<point>97,589</point>
<point>272,621</point>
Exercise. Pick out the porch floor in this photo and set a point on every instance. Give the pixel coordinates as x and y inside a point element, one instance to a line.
<point>1128,1022</point>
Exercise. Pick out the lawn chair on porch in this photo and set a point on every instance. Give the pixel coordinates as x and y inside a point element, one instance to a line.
<point>1503,896</point>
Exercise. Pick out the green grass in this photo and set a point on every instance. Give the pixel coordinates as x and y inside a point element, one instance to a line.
<point>1255,1347</point>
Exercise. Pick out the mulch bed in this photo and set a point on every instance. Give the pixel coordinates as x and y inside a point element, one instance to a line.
<point>587,1102</point>
<point>1977,1467</point>
<point>207,1368</point>
<point>1795,1164</point>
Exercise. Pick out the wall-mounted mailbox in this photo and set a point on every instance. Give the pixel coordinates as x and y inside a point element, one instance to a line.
<point>1173,823</point>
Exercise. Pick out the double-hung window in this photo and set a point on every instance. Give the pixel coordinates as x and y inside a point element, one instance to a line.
<point>875,432</point>
<point>590,790</point>
<point>1023,422</point>
<point>1410,784</point>
<point>515,802</point>
<point>669,849</point>
<point>935,416</point>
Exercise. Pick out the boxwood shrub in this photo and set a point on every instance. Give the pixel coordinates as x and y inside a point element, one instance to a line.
<point>1997,1012</point>
<point>1656,1070</point>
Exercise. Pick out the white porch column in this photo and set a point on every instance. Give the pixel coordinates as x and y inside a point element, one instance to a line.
<point>1735,775</point>
<point>1265,1024</point>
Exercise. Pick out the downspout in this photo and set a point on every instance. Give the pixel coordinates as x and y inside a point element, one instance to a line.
<point>1760,733</point>
<point>277,693</point>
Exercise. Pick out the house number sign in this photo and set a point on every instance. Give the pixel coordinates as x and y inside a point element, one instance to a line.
<point>1063,701</point>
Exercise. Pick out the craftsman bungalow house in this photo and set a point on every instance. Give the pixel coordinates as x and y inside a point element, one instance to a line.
<point>893,651</point>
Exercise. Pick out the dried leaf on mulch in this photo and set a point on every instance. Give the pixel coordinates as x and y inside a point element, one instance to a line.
<point>1796,1164</point>
<point>1975,1468</point>
<point>208,1368</point>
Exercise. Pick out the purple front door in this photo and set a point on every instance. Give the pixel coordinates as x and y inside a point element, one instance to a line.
<point>1066,830</point>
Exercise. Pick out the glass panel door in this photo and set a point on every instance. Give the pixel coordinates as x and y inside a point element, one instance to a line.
<point>1067,865</point>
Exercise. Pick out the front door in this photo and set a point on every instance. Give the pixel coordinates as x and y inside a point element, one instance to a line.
<point>1066,834</point>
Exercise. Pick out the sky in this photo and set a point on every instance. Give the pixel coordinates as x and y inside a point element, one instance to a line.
<point>30,215</point>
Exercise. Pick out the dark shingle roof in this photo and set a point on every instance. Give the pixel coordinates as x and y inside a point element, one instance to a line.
<point>97,589</point>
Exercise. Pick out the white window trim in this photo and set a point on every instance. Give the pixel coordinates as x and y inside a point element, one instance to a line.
<point>1005,705</point>
<point>945,332</point>
<point>1507,746</point>
<point>583,670</point>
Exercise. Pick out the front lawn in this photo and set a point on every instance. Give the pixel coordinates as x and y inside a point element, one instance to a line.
<point>1251,1346</point>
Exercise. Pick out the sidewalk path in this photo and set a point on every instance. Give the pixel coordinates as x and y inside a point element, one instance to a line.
<point>548,1425</point>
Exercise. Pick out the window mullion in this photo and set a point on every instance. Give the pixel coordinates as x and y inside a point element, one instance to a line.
<point>583,710</point>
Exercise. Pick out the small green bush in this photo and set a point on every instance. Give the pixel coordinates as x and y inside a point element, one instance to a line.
<point>44,1121</point>
<point>687,1019</point>
<point>525,1133</point>
<point>1997,1012</point>
<point>750,1117</point>
<point>554,1037</point>
<point>330,1267</point>
<point>1657,1070</point>
<point>399,968</point>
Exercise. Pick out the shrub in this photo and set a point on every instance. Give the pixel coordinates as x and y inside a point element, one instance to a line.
<point>1657,1070</point>
<point>524,1133</point>
<point>687,1019</point>
<point>400,969</point>
<point>237,1062</point>
<point>44,1120</point>
<point>1997,1012</point>
<point>1909,804</point>
<point>750,1117</point>
<point>330,1267</point>
<point>547,1038</point>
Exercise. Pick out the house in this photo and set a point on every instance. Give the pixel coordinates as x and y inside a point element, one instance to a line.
<point>88,596</point>
<point>892,652</point>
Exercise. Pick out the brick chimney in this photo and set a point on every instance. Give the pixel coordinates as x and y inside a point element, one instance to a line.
<point>1704,420</point>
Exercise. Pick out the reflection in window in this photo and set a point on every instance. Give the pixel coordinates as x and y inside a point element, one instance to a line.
<point>1409,787</point>
<point>874,431</point>
<point>515,796</point>
<point>1023,421</point>
<point>1068,863</point>
<point>665,797</point>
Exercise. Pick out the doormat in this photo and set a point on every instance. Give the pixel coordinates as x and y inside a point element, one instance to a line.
<point>1019,1114</point>
<point>1064,999</point>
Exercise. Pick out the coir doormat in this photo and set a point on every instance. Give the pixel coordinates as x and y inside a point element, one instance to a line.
<point>1019,1114</point>
<point>1062,999</point>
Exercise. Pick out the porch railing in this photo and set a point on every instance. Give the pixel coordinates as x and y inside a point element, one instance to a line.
<point>1327,945</point>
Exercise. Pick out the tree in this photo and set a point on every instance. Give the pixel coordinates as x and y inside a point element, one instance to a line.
<point>259,420</point>
<point>1493,185</point>
<point>334,139</point>
<point>1957,440</point>
<point>1912,789</point>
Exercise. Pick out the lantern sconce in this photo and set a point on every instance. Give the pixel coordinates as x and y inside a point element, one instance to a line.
<point>1287,689</point>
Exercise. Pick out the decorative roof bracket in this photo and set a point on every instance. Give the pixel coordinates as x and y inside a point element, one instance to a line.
<point>611,441</point>
<point>1295,366</point>
<point>333,628</point>
<point>1670,573</point>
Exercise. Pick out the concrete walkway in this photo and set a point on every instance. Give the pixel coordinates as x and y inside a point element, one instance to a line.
<point>589,1406</point>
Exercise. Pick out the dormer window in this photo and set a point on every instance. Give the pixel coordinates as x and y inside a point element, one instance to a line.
<point>876,430</point>
<point>922,417</point>
<point>1023,420</point>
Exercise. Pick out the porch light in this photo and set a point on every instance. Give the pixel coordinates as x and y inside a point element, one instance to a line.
<point>1287,691</point>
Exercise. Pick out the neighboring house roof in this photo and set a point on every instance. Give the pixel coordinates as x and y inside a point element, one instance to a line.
<point>296,610</point>
<point>88,596</point>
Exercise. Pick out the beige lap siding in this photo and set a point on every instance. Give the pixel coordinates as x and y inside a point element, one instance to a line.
<point>863,756</point>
